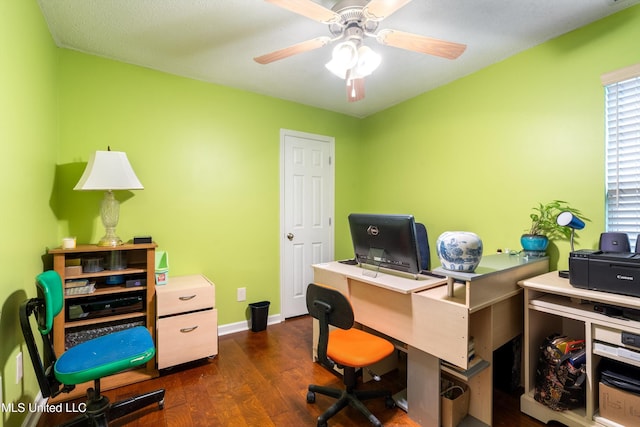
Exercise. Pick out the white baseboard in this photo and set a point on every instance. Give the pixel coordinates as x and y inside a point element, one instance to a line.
<point>33,417</point>
<point>231,328</point>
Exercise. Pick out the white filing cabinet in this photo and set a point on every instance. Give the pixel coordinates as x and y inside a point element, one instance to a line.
<point>187,324</point>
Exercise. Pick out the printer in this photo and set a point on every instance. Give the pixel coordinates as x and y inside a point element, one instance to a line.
<point>615,272</point>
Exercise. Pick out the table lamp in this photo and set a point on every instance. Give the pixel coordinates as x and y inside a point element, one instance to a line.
<point>567,219</point>
<point>108,171</point>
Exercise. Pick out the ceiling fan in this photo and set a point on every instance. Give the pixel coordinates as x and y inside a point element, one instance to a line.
<point>350,21</point>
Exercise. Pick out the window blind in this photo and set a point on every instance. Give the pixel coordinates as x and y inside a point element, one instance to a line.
<point>622,111</point>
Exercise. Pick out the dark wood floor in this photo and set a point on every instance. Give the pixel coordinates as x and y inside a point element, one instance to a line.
<point>260,379</point>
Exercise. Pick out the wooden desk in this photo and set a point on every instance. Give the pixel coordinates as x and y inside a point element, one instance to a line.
<point>435,324</point>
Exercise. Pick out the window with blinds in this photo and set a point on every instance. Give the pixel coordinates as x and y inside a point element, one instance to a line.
<point>623,154</point>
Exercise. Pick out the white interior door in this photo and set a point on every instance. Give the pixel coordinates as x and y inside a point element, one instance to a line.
<point>306,216</point>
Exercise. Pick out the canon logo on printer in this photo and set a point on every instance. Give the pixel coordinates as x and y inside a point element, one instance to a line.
<point>621,277</point>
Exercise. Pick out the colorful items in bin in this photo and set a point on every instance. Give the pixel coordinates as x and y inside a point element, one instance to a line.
<point>162,267</point>
<point>561,373</point>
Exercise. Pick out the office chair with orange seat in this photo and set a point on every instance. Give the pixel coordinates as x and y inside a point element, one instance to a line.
<point>87,361</point>
<point>346,347</point>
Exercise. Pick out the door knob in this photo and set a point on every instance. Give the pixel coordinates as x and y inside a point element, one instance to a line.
<point>290,236</point>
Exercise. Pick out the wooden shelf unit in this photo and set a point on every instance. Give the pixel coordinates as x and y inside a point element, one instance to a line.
<point>140,262</point>
<point>552,305</point>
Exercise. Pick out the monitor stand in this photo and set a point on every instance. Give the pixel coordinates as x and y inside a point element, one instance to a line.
<point>376,255</point>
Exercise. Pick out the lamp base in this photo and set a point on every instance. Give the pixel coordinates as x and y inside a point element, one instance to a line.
<point>110,212</point>
<point>110,239</point>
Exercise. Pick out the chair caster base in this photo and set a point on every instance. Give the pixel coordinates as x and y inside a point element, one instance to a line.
<point>311,397</point>
<point>389,403</point>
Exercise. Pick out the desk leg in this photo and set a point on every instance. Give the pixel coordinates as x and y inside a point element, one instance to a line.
<point>423,387</point>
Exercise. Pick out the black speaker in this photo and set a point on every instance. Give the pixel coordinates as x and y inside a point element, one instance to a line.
<point>614,242</point>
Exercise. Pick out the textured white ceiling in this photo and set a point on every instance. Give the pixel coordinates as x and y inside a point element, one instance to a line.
<point>216,41</point>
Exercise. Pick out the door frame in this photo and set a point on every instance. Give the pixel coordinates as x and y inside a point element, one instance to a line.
<point>283,240</point>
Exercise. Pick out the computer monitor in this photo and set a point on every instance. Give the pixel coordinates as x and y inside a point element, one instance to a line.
<point>387,241</point>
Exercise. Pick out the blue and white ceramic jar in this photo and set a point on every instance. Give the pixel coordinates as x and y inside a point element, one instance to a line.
<point>459,250</point>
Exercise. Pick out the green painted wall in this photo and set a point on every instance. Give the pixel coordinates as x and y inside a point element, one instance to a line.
<point>474,155</point>
<point>208,157</point>
<point>28,127</point>
<point>478,153</point>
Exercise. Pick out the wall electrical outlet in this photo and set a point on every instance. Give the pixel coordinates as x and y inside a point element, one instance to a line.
<point>18,367</point>
<point>242,294</point>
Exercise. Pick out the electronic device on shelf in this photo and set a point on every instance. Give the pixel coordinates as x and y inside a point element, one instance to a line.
<point>614,272</point>
<point>385,241</point>
<point>93,307</point>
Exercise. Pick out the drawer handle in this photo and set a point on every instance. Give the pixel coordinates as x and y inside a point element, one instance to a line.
<point>187,298</point>
<point>186,330</point>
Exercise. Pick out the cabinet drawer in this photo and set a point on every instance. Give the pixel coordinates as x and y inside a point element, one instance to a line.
<point>608,335</point>
<point>185,293</point>
<point>187,337</point>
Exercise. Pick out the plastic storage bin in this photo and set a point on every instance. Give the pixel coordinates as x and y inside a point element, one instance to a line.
<point>162,268</point>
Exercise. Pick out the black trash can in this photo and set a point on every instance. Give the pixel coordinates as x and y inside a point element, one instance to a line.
<point>259,314</point>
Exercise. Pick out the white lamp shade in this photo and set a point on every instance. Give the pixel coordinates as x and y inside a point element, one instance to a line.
<point>346,53</point>
<point>336,68</point>
<point>108,170</point>
<point>351,62</point>
<point>368,61</point>
<point>343,58</point>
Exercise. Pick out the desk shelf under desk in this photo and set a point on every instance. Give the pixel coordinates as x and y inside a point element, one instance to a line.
<point>435,321</point>
<point>554,306</point>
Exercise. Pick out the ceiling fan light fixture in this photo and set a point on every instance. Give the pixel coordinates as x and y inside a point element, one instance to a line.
<point>368,61</point>
<point>347,53</point>
<point>336,69</point>
<point>344,57</point>
<point>350,21</point>
<point>359,62</point>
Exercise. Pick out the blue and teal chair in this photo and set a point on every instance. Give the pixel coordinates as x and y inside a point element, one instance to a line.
<point>89,361</point>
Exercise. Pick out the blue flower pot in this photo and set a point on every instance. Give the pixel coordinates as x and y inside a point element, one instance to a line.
<point>534,245</point>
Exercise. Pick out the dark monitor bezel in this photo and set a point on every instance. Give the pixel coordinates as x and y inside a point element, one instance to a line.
<point>394,246</point>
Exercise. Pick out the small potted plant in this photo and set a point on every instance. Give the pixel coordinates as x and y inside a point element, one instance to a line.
<point>544,226</point>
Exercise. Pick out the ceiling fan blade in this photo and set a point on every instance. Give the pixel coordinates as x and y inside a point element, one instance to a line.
<point>380,9</point>
<point>355,89</point>
<point>292,50</point>
<point>309,9</point>
<point>421,44</point>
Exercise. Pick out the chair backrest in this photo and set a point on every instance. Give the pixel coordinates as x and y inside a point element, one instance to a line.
<point>330,307</point>
<point>50,289</point>
<point>44,308</point>
<point>423,246</point>
<point>614,242</point>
